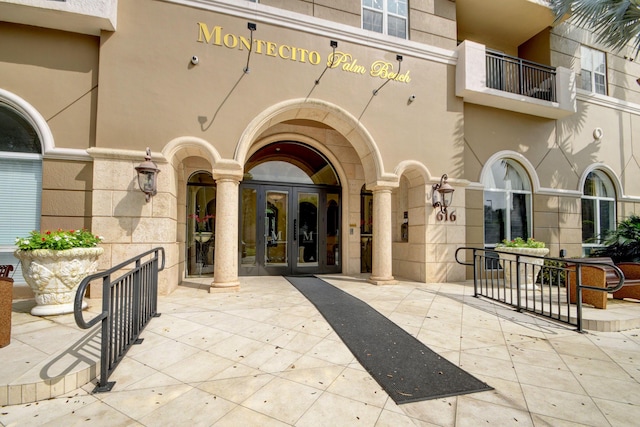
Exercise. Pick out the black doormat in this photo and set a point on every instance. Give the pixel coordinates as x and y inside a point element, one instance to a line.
<point>404,367</point>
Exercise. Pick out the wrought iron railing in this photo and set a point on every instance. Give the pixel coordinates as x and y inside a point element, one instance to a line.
<point>535,284</point>
<point>128,304</point>
<point>517,75</point>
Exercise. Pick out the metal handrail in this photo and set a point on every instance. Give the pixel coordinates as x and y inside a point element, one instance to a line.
<point>520,76</point>
<point>495,287</point>
<point>128,303</point>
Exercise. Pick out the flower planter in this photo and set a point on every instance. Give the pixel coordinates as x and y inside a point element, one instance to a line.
<point>528,271</point>
<point>54,276</point>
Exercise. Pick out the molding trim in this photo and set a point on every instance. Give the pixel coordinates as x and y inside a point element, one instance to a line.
<point>320,27</point>
<point>608,102</point>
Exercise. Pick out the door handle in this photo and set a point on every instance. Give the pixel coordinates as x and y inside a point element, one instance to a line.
<point>295,229</point>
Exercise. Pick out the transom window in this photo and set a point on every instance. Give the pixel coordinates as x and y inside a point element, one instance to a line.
<point>598,210</point>
<point>594,70</point>
<point>386,16</point>
<point>507,203</point>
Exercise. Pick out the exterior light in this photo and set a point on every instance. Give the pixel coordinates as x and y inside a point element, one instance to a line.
<point>442,196</point>
<point>148,176</point>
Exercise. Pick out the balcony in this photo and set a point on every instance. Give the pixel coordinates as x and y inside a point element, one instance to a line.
<point>496,80</point>
<point>78,16</point>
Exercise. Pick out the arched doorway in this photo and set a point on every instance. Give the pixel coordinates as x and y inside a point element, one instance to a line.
<point>289,212</point>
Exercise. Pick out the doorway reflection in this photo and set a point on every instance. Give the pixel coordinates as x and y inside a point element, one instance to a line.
<point>201,210</point>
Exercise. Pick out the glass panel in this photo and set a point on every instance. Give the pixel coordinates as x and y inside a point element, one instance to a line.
<point>607,218</point>
<point>366,212</point>
<point>586,80</point>
<point>372,21</point>
<point>20,193</point>
<point>494,217</point>
<point>375,4</point>
<point>508,175</point>
<point>398,7</point>
<point>599,64</point>
<point>201,228</point>
<point>366,230</point>
<point>588,220</point>
<point>600,84</point>
<point>520,208</point>
<point>275,226</point>
<point>397,27</point>
<point>333,229</point>
<point>290,162</point>
<point>16,134</point>
<point>248,227</point>
<point>308,229</point>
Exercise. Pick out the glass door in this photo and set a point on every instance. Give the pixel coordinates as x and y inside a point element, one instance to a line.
<point>289,230</point>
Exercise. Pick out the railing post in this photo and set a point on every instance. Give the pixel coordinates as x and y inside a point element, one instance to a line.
<point>104,385</point>
<point>578,297</point>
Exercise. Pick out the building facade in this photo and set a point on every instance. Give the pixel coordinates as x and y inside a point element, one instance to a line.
<point>298,137</point>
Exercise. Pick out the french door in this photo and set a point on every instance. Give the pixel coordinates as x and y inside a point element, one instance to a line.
<point>287,229</point>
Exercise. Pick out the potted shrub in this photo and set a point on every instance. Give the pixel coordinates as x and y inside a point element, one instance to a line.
<point>54,263</point>
<point>529,267</point>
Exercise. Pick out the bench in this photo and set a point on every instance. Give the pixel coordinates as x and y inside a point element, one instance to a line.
<point>601,276</point>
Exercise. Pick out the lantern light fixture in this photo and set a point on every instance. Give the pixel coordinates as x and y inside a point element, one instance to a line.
<point>441,197</point>
<point>148,176</point>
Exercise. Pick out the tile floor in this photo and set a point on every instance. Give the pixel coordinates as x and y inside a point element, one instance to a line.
<point>264,357</point>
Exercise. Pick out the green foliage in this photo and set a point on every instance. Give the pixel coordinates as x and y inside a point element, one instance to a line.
<point>58,240</point>
<point>519,242</point>
<point>622,244</point>
<point>616,23</point>
<point>552,273</point>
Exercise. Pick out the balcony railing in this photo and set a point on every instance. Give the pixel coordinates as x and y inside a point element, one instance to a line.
<point>519,76</point>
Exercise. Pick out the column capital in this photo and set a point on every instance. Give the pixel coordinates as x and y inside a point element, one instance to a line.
<point>227,170</point>
<point>382,187</point>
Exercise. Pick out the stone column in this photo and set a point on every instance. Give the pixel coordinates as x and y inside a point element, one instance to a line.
<point>381,267</point>
<point>225,267</point>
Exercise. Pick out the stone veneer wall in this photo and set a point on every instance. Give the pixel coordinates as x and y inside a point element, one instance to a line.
<point>127,222</point>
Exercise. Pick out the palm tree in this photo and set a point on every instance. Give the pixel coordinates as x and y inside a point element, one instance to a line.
<point>616,23</point>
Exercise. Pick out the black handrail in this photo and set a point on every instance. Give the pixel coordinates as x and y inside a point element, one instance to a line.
<point>128,304</point>
<point>548,302</point>
<point>520,76</point>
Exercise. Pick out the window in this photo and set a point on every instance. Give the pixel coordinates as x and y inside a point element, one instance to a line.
<point>598,210</point>
<point>386,17</point>
<point>21,178</point>
<point>507,203</point>
<point>594,70</point>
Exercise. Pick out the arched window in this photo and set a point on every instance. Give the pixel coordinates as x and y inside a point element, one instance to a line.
<point>21,178</point>
<point>507,203</point>
<point>598,210</point>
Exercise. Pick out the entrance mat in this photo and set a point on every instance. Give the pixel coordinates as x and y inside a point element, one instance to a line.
<point>404,367</point>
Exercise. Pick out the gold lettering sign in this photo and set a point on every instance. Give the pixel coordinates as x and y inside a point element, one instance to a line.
<point>342,60</point>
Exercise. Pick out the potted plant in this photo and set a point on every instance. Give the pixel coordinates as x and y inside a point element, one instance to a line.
<point>509,250</point>
<point>202,228</point>
<point>54,263</point>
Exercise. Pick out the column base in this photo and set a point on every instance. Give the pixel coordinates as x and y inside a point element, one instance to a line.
<point>380,281</point>
<point>224,287</point>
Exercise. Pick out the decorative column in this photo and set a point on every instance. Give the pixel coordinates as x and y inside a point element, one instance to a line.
<point>381,267</point>
<point>225,266</point>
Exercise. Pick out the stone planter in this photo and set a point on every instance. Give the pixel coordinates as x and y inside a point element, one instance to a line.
<point>528,271</point>
<point>54,276</point>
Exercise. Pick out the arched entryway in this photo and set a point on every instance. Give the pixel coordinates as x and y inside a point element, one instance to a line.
<point>290,212</point>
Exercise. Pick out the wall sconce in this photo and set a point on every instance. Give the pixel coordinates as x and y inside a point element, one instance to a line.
<point>147,176</point>
<point>442,196</point>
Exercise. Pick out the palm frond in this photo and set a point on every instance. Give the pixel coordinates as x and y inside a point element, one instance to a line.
<point>616,23</point>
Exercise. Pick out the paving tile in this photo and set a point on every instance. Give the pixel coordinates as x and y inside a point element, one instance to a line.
<point>265,356</point>
<point>282,399</point>
<point>331,409</point>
